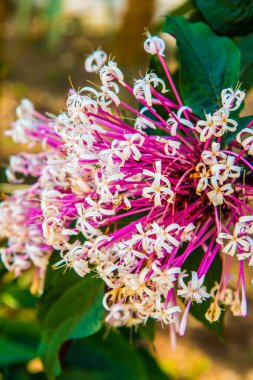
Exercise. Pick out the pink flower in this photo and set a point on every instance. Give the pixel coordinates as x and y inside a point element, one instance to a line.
<point>143,204</point>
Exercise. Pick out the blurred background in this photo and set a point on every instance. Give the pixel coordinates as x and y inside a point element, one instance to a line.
<point>43,43</point>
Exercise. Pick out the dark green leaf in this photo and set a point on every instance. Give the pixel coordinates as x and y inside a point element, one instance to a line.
<point>247,78</point>
<point>110,358</point>
<point>148,331</point>
<point>228,17</point>
<point>12,351</point>
<point>71,307</point>
<point>18,341</point>
<point>19,372</point>
<point>245,45</point>
<point>153,370</point>
<point>209,63</point>
<point>183,9</point>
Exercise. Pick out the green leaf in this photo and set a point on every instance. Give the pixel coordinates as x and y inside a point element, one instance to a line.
<point>245,45</point>
<point>71,307</point>
<point>247,78</point>
<point>110,358</point>
<point>184,8</point>
<point>231,18</point>
<point>213,275</point>
<point>209,63</point>
<point>152,368</point>
<point>148,331</point>
<point>19,372</point>
<point>18,341</point>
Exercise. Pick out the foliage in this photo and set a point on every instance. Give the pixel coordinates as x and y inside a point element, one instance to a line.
<point>70,308</point>
<point>230,18</point>
<point>204,71</point>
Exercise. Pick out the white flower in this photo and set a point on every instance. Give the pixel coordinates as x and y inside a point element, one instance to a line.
<point>247,142</point>
<point>143,238</point>
<point>75,260</point>
<point>194,290</point>
<point>95,61</point>
<point>208,130</point>
<point>228,96</point>
<point>19,264</point>
<point>38,258</point>
<point>234,242</point>
<point>142,122</point>
<point>247,222</point>
<point>224,124</point>
<point>93,247</point>
<point>187,232</point>
<point>177,119</point>
<point>156,191</point>
<point>157,175</point>
<point>126,249</point>
<point>51,227</point>
<point>19,131</point>
<point>138,282</point>
<point>128,254</point>
<point>103,186</point>
<point>165,314</point>
<point>26,108</point>
<point>243,255</point>
<point>215,125</point>
<point>78,105</point>
<point>203,174</point>
<point>142,87</point>
<point>119,314</point>
<point>130,146</point>
<point>226,170</point>
<point>106,96</point>
<point>83,225</point>
<point>163,276</point>
<point>154,45</point>
<point>164,238</point>
<point>96,209</point>
<point>171,147</point>
<point>216,196</point>
<point>214,156</point>
<point>106,272</point>
<point>110,72</point>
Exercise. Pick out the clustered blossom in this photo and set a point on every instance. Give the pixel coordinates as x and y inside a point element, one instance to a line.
<point>133,206</point>
<point>20,223</point>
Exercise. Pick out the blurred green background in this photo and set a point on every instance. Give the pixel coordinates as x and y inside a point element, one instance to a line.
<point>42,44</point>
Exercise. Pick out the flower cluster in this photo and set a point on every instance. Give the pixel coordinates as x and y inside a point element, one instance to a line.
<point>20,223</point>
<point>132,205</point>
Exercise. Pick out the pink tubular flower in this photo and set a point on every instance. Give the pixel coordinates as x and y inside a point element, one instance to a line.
<point>143,204</point>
